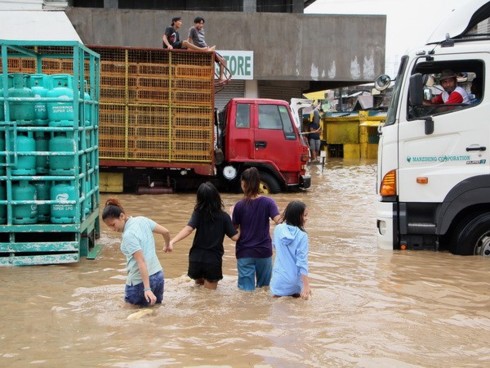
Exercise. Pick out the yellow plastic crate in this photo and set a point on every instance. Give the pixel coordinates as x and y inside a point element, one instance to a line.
<point>156,105</point>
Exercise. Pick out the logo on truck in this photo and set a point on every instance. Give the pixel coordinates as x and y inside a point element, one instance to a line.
<point>444,158</point>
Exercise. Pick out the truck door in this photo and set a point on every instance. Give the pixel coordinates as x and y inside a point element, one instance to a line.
<point>432,163</point>
<point>239,135</point>
<point>275,139</point>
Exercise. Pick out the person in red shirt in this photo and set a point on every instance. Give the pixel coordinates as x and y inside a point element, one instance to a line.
<point>452,94</point>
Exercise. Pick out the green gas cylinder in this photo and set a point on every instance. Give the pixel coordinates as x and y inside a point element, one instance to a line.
<point>62,212</point>
<point>2,152</point>
<point>42,145</point>
<point>87,205</point>
<point>3,207</point>
<point>60,111</point>
<point>21,110</point>
<point>87,106</point>
<point>39,85</point>
<point>2,107</point>
<point>24,213</point>
<point>4,90</point>
<point>23,142</point>
<point>43,190</point>
<point>62,164</point>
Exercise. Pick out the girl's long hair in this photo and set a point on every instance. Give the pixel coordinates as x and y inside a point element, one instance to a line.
<point>293,214</point>
<point>112,209</point>
<point>208,201</point>
<point>251,179</point>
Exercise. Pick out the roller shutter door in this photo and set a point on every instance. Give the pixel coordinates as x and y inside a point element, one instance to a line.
<point>280,91</point>
<point>230,90</point>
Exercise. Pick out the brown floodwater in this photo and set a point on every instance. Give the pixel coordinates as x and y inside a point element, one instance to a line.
<point>370,308</point>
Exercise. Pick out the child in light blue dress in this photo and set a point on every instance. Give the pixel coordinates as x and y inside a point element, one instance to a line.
<point>290,270</point>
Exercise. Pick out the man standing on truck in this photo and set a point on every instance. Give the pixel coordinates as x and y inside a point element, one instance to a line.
<point>452,94</point>
<point>171,38</point>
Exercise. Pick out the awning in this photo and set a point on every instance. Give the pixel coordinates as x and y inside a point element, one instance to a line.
<point>36,25</point>
<point>372,123</point>
<point>355,94</point>
<point>319,95</point>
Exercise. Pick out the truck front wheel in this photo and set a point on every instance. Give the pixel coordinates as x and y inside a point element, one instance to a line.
<point>473,237</point>
<point>268,184</point>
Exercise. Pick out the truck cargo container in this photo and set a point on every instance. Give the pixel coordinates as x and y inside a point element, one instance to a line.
<point>159,130</point>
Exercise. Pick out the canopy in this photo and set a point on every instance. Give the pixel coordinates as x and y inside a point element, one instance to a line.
<point>319,95</point>
<point>372,123</point>
<point>37,25</point>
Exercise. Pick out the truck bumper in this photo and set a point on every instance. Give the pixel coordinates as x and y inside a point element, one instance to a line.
<point>305,181</point>
<point>384,223</point>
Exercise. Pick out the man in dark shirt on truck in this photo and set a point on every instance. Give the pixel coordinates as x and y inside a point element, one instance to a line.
<point>171,38</point>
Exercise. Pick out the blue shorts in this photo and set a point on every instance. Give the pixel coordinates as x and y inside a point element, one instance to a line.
<point>135,294</point>
<point>254,272</point>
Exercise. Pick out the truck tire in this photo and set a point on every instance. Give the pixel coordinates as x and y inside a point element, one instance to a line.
<point>268,184</point>
<point>472,237</point>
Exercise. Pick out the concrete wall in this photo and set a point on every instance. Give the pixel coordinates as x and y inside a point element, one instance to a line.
<point>330,49</point>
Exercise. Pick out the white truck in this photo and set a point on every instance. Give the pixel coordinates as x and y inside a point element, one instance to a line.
<point>434,160</point>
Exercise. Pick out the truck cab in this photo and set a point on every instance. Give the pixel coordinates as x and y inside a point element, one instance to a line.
<point>433,159</point>
<point>262,133</point>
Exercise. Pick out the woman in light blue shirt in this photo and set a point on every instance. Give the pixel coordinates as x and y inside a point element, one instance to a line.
<point>290,270</point>
<point>145,281</point>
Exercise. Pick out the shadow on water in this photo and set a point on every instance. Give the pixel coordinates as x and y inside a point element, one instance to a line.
<point>370,308</point>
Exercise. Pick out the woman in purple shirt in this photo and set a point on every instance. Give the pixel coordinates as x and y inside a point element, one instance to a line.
<point>251,216</point>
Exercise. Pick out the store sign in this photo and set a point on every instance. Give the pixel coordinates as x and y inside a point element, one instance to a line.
<point>240,63</point>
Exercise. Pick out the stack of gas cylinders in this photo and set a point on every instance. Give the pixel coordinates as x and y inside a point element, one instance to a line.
<point>44,140</point>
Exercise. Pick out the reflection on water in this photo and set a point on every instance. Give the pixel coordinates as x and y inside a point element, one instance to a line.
<point>370,308</point>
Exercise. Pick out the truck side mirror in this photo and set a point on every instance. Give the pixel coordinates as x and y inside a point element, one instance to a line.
<point>416,90</point>
<point>382,82</point>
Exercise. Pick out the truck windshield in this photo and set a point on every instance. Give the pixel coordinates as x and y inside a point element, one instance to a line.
<point>392,109</point>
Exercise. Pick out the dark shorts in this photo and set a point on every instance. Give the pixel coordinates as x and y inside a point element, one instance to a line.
<point>176,45</point>
<point>135,294</point>
<point>211,272</point>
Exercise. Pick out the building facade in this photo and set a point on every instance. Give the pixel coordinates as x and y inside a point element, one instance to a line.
<point>288,52</point>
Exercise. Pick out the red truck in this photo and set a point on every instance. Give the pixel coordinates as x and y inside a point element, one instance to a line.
<point>261,133</point>
<point>159,130</point>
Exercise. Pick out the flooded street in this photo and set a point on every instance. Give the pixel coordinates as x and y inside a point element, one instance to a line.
<point>370,308</point>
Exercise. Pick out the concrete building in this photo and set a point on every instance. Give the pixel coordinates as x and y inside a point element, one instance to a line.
<point>273,48</point>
